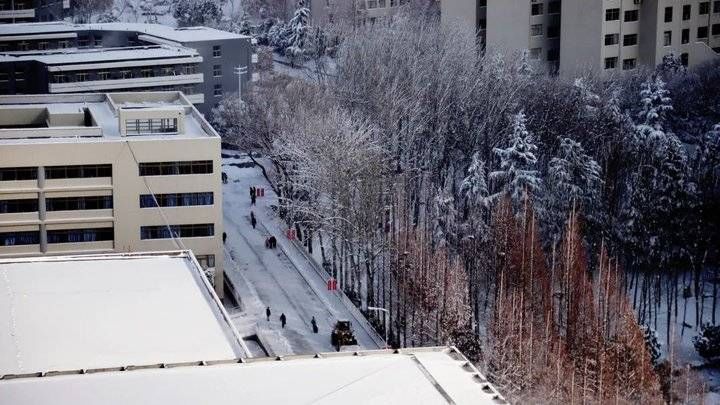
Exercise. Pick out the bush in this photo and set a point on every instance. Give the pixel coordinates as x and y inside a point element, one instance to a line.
<point>707,343</point>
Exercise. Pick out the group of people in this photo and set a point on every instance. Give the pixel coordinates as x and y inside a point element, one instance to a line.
<point>253,195</point>
<point>283,320</point>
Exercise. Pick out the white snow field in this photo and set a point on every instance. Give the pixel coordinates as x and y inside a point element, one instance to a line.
<point>109,311</point>
<point>285,279</point>
<point>415,377</point>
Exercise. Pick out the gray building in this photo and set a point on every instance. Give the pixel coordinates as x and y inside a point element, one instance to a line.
<point>59,57</point>
<point>573,36</point>
<point>17,11</point>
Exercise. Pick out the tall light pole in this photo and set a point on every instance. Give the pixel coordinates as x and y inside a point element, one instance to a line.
<point>240,71</point>
<point>386,316</point>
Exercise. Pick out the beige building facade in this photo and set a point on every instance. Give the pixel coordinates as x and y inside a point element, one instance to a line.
<point>323,12</point>
<point>598,35</point>
<point>101,173</point>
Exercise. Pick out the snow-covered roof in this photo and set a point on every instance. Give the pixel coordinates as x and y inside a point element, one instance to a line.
<point>410,376</point>
<point>104,311</point>
<point>95,55</point>
<point>185,34</point>
<point>104,109</point>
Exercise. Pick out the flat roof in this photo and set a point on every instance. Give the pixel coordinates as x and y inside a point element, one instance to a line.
<point>408,376</point>
<point>95,55</point>
<point>185,34</point>
<point>113,310</point>
<point>104,109</point>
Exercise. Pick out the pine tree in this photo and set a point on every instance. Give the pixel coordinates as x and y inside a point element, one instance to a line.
<point>299,28</point>
<point>517,172</point>
<point>474,186</point>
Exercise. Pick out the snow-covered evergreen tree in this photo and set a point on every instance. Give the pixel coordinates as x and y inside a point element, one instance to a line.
<point>474,185</point>
<point>517,175</point>
<point>190,13</point>
<point>574,182</point>
<point>299,28</point>
<point>655,104</point>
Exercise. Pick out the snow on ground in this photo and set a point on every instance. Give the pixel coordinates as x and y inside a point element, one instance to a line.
<point>282,279</point>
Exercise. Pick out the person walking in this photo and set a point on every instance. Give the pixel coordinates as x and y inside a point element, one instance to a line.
<point>253,221</point>
<point>267,313</point>
<point>253,195</point>
<point>224,237</point>
<point>314,325</point>
<point>283,319</point>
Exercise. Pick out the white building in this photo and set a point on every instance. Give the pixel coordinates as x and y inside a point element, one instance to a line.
<point>100,173</point>
<point>97,312</point>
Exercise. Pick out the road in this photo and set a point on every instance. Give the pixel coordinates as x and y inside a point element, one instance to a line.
<point>284,278</point>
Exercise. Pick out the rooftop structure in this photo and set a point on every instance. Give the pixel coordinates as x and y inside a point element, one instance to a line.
<point>439,375</point>
<point>103,173</point>
<point>60,57</point>
<point>108,311</point>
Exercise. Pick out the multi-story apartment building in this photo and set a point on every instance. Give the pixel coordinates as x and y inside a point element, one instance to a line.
<point>324,12</point>
<point>115,172</point>
<point>599,35</point>
<point>60,57</point>
<point>16,11</point>
<point>511,26</point>
<point>614,35</point>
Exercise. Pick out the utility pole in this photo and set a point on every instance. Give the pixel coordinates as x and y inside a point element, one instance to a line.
<point>240,71</point>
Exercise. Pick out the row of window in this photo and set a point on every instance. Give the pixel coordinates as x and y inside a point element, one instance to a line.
<point>176,168</point>
<point>89,171</point>
<point>57,204</point>
<point>107,234</point>
<point>553,31</point>
<point>176,200</point>
<point>57,236</point>
<point>539,8</point>
<point>178,231</point>
<point>66,77</point>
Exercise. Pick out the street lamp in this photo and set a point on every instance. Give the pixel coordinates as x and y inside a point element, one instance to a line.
<point>386,316</point>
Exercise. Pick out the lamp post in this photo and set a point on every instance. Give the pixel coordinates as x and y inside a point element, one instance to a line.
<point>240,71</point>
<point>386,316</point>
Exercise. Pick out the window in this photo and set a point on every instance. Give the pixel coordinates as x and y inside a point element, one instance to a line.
<point>716,29</point>
<point>612,14</point>
<point>631,15</point>
<point>60,78</point>
<point>19,76</point>
<point>176,200</point>
<point>217,90</point>
<point>667,38</point>
<point>702,32</point>
<point>179,231</point>
<point>553,32</point>
<point>15,206</point>
<point>103,75</point>
<point>536,30</point>
<point>612,39</point>
<point>687,12</point>
<point>535,53</point>
<point>126,74</point>
<point>217,70</point>
<point>19,238</point>
<point>151,126</point>
<point>102,202</point>
<point>74,172</point>
<point>81,77</point>
<point>629,64</point>
<point>97,41</point>
<point>217,52</point>
<point>668,14</point>
<point>716,6</point>
<point>611,63</point>
<point>42,45</point>
<point>206,261</point>
<point>553,55</point>
<point>630,40</point>
<point>684,58</point>
<point>147,73</point>
<point>80,235</point>
<point>176,168</point>
<point>554,7</point>
<point>18,173</point>
<point>537,9</point>
<point>705,8</point>
<point>685,36</point>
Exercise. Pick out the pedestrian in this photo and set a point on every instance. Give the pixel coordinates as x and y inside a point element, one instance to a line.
<point>253,195</point>
<point>314,325</point>
<point>253,221</point>
<point>224,237</point>
<point>272,242</point>
<point>267,313</point>
<point>283,319</point>
<point>252,191</point>
<point>224,178</point>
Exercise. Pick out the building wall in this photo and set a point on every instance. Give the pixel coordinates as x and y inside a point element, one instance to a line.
<point>461,14</point>
<point>580,52</point>
<point>125,186</point>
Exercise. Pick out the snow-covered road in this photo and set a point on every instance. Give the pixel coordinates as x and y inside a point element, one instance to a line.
<point>282,279</point>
